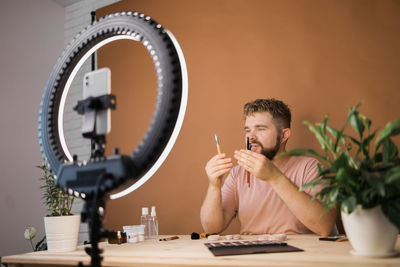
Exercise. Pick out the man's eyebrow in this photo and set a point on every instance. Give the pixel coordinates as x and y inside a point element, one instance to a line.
<point>257,125</point>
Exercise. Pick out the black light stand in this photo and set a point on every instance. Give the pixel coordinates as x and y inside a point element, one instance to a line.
<point>93,213</point>
<point>94,207</point>
<point>93,58</point>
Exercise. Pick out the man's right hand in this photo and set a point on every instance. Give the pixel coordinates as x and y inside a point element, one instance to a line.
<point>217,169</point>
<point>212,216</point>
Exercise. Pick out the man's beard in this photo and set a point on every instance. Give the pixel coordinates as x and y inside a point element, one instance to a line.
<point>270,153</point>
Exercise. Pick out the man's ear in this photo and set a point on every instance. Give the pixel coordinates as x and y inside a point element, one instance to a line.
<point>286,132</point>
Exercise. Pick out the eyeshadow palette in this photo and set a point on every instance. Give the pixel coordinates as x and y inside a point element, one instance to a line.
<point>249,247</point>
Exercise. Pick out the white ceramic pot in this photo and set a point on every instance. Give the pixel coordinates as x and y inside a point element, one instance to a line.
<point>370,232</point>
<point>62,232</point>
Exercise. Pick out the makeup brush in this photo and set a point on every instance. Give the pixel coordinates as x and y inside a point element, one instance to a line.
<point>218,147</point>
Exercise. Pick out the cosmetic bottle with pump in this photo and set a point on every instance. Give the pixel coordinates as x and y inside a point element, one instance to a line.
<point>153,225</point>
<point>145,220</point>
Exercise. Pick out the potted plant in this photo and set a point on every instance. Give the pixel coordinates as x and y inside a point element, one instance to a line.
<point>61,227</point>
<point>362,178</point>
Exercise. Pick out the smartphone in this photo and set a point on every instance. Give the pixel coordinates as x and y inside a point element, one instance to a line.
<point>97,83</point>
<point>332,238</point>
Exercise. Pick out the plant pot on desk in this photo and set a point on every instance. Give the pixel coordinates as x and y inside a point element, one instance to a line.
<point>370,233</point>
<point>62,232</point>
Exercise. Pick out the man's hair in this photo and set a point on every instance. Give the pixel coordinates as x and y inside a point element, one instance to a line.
<point>279,111</point>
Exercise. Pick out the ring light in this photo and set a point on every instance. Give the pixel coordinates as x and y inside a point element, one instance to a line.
<point>169,112</point>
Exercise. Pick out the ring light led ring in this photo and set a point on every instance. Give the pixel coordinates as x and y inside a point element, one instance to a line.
<point>171,99</point>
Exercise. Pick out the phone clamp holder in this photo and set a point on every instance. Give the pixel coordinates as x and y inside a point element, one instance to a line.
<point>90,107</point>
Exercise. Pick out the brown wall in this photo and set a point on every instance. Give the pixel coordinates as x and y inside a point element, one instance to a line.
<point>318,56</point>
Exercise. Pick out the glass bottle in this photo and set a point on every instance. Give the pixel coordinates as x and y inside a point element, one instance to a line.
<point>145,220</point>
<point>153,225</point>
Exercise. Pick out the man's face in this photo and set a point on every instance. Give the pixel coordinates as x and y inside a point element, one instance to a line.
<point>263,134</point>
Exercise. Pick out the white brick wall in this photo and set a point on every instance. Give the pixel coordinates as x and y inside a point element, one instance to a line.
<point>77,17</point>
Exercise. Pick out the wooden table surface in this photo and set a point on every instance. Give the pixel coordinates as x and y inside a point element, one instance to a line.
<point>186,252</point>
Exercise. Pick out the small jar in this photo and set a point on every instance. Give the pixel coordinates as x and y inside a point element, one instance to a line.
<point>132,235</point>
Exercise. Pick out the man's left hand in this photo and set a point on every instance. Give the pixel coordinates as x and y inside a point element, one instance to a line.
<point>257,164</point>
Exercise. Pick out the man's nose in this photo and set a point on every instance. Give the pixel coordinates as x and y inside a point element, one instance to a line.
<point>251,136</point>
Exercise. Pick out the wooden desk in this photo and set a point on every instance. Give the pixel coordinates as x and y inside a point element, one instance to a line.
<point>186,252</point>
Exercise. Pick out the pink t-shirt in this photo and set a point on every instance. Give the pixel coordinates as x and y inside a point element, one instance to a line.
<point>259,209</point>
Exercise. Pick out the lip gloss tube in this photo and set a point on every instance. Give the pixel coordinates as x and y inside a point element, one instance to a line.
<point>248,146</point>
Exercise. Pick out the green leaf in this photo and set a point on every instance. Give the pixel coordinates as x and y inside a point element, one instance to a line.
<point>325,195</point>
<point>311,184</point>
<point>367,122</point>
<point>301,152</point>
<point>369,139</point>
<point>321,137</point>
<point>367,195</point>
<point>357,123</point>
<point>340,174</point>
<point>392,175</point>
<point>349,204</point>
<point>355,141</point>
<point>362,144</point>
<point>324,125</point>
<point>389,151</point>
<point>378,158</point>
<point>375,182</point>
<point>325,171</point>
<point>335,134</point>
<point>39,245</point>
<point>392,128</point>
<point>392,211</point>
<point>349,115</point>
<point>333,194</point>
<point>341,161</point>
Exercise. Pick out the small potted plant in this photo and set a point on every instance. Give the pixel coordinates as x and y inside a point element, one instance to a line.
<point>362,178</point>
<point>61,227</point>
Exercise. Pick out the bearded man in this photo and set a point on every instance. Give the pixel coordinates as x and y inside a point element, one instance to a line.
<point>272,203</point>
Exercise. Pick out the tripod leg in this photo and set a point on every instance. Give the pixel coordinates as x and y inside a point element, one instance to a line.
<point>93,216</point>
